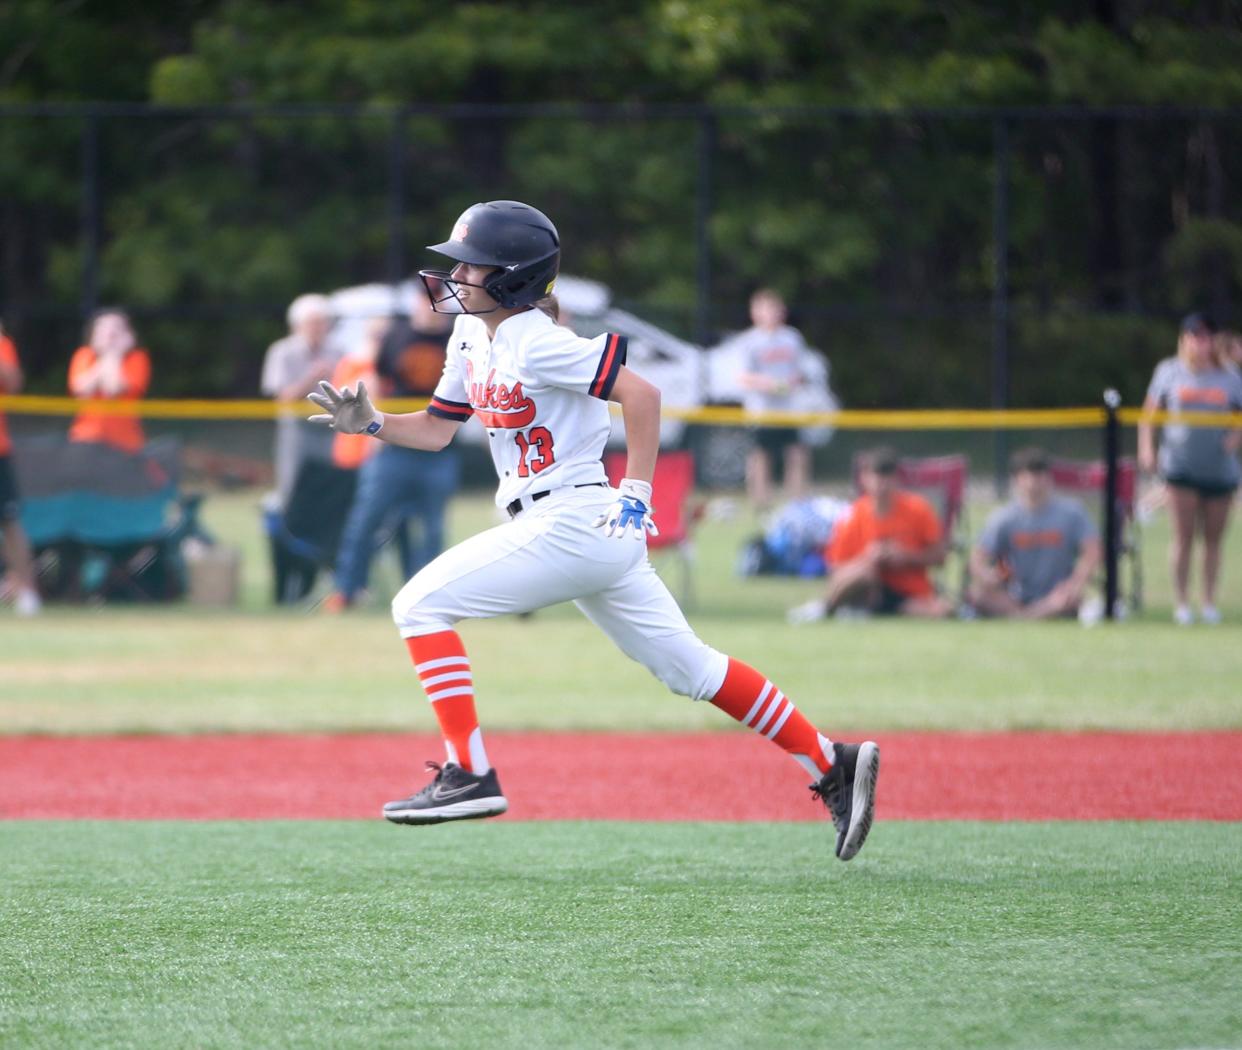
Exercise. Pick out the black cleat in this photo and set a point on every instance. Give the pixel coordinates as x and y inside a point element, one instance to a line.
<point>454,794</point>
<point>848,790</point>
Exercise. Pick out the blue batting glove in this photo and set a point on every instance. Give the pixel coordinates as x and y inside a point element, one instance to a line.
<point>632,510</point>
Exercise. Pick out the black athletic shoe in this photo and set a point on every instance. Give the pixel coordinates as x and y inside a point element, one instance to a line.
<point>454,794</point>
<point>848,790</point>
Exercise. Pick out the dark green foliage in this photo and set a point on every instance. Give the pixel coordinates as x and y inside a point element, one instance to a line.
<point>877,225</point>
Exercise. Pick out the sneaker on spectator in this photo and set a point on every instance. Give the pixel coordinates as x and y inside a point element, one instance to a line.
<point>1182,616</point>
<point>1209,614</point>
<point>27,602</point>
<point>808,612</point>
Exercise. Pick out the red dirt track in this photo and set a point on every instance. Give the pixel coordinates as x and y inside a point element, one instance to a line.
<point>625,776</point>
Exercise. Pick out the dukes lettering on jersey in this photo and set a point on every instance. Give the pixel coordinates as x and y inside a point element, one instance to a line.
<point>499,405</point>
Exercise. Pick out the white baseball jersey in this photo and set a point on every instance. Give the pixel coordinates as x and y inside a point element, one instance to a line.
<point>542,394</point>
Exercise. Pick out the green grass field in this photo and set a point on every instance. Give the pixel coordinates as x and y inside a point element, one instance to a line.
<point>582,935</point>
<point>179,668</point>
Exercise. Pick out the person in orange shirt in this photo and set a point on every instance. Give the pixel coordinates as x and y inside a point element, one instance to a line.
<point>15,546</point>
<point>350,451</point>
<point>110,367</point>
<point>881,553</point>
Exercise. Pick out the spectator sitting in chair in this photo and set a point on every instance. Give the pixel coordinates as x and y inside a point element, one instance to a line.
<point>1037,554</point>
<point>881,553</point>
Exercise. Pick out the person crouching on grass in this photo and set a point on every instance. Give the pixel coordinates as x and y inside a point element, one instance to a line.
<point>881,552</point>
<point>542,393</point>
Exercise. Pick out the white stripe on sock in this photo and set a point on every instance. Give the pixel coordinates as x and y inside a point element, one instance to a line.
<point>763,694</point>
<point>444,661</point>
<point>773,707</point>
<point>444,694</point>
<point>789,710</point>
<point>452,676</point>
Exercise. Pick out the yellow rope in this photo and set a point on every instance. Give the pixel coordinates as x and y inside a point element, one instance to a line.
<point>847,419</point>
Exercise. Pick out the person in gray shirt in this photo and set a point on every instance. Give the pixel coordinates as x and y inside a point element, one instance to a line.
<point>1199,464</point>
<point>772,371</point>
<point>292,367</point>
<point>1036,554</point>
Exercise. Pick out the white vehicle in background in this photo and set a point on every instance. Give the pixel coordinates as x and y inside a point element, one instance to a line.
<point>687,375</point>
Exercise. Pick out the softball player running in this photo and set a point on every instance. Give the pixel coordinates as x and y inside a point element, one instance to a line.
<point>541,392</point>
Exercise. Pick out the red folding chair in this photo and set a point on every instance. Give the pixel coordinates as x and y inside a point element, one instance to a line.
<point>941,480</point>
<point>1087,478</point>
<point>671,488</point>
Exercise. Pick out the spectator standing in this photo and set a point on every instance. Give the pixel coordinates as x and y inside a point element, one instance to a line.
<point>1199,465</point>
<point>15,547</point>
<point>400,483</point>
<point>881,553</point>
<point>350,451</point>
<point>1037,554</point>
<point>111,366</point>
<point>771,374</point>
<point>292,368</point>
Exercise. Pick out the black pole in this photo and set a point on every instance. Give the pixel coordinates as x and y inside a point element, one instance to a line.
<point>1000,292</point>
<point>395,266</point>
<point>1112,548</point>
<point>90,205</point>
<point>703,205</point>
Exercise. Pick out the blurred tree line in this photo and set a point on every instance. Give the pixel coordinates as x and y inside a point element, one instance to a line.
<point>849,157</point>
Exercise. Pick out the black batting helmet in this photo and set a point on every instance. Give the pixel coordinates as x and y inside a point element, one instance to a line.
<point>520,241</point>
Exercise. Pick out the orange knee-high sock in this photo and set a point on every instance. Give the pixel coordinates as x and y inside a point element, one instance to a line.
<point>755,702</point>
<point>444,669</point>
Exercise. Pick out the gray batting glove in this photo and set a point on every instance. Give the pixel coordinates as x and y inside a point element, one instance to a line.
<point>346,411</point>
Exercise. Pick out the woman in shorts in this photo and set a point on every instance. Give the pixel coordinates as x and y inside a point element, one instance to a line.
<point>1199,464</point>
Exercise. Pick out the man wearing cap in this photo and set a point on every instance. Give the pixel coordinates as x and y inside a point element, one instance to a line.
<point>881,553</point>
<point>1037,554</point>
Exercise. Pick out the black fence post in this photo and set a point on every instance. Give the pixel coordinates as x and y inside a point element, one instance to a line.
<point>90,215</point>
<point>395,263</point>
<point>1112,548</point>
<point>703,205</point>
<point>1000,293</point>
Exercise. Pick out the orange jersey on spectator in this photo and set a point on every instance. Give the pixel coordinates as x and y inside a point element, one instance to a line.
<point>351,450</point>
<point>911,524</point>
<point>124,432</point>
<point>8,356</point>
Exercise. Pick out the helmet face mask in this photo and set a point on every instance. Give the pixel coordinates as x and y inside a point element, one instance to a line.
<point>518,240</point>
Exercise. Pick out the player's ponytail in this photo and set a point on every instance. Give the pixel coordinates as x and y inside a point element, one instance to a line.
<point>550,306</point>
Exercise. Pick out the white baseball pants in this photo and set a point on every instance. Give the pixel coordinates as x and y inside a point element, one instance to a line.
<point>551,552</point>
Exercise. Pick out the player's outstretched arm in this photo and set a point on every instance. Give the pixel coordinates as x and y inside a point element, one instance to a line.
<point>640,408</point>
<point>351,412</point>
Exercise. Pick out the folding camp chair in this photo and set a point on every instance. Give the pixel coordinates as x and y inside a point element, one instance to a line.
<point>1087,478</point>
<point>105,524</point>
<point>671,488</point>
<point>941,480</point>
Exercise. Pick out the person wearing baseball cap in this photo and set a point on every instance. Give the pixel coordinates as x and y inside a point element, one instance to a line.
<point>1198,462</point>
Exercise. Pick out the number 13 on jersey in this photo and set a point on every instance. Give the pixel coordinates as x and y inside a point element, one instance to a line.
<point>535,452</point>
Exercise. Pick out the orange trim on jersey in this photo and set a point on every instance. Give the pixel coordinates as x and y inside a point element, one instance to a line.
<point>123,432</point>
<point>458,411</point>
<point>610,362</point>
